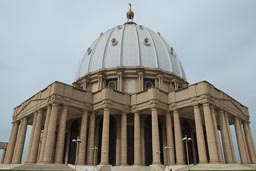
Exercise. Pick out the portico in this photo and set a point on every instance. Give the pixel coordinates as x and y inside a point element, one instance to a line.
<point>93,116</point>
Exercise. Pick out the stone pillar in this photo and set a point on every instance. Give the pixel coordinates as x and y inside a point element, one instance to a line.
<point>61,136</point>
<point>169,132</point>
<point>250,143</point>
<point>178,142</point>
<point>31,137</point>
<point>47,118</point>
<point>83,135</point>
<point>211,141</point>
<point>240,142</point>
<point>200,135</point>
<point>49,145</point>
<point>225,138</point>
<point>3,156</point>
<point>155,137</point>
<point>91,139</point>
<point>244,141</point>
<point>124,139</point>
<point>100,82</point>
<point>137,143</point>
<point>20,142</point>
<point>36,138</point>
<point>118,142</point>
<point>230,140</point>
<point>140,81</point>
<point>105,138</point>
<point>142,139</point>
<point>11,143</point>
<point>120,81</point>
<point>216,133</point>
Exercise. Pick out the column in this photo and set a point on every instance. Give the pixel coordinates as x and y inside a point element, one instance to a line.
<point>250,143</point>
<point>118,142</point>
<point>119,81</point>
<point>31,137</point>
<point>47,118</point>
<point>137,143</point>
<point>230,140</point>
<point>124,139</point>
<point>140,81</point>
<point>3,156</point>
<point>215,126</point>
<point>100,82</point>
<point>142,142</point>
<point>11,143</point>
<point>240,142</point>
<point>169,132</point>
<point>61,136</point>
<point>83,135</point>
<point>244,141</point>
<point>20,143</point>
<point>91,139</point>
<point>36,138</point>
<point>178,142</point>
<point>155,137</point>
<point>212,147</point>
<point>200,135</point>
<point>225,138</point>
<point>49,144</point>
<point>105,138</point>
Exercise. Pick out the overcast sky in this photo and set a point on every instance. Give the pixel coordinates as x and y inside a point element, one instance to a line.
<point>44,41</point>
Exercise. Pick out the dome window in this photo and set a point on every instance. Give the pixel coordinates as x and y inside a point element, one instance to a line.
<point>119,27</point>
<point>171,50</point>
<point>114,42</point>
<point>146,42</point>
<point>141,27</point>
<point>112,84</point>
<point>89,51</point>
<point>148,83</point>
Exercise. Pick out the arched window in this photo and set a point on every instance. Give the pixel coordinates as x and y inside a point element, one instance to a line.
<point>111,84</point>
<point>148,83</point>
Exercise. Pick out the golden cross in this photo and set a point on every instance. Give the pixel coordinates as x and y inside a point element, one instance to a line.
<point>130,5</point>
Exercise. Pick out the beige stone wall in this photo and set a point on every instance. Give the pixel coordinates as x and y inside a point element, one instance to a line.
<point>202,104</point>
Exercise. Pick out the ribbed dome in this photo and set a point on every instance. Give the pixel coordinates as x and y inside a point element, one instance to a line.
<point>130,45</point>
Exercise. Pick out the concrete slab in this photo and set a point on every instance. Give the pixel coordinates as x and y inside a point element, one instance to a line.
<point>222,167</point>
<point>9,166</point>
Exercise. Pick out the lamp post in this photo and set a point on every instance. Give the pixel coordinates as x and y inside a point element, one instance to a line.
<point>186,140</point>
<point>95,148</point>
<point>167,148</point>
<point>77,141</point>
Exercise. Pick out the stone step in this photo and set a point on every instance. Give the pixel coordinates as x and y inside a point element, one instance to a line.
<point>61,167</point>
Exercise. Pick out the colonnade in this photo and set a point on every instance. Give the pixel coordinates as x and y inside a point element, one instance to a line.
<point>51,148</point>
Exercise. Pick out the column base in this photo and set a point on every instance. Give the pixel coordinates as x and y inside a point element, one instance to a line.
<point>103,167</point>
<point>156,167</point>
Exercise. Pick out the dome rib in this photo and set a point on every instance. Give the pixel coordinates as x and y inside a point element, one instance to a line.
<point>156,54</point>
<point>91,55</point>
<point>122,48</point>
<point>167,52</point>
<point>106,49</point>
<point>139,46</point>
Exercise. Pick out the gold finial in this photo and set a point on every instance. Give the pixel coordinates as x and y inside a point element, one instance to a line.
<point>130,15</point>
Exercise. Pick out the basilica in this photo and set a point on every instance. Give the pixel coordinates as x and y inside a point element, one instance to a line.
<point>130,105</point>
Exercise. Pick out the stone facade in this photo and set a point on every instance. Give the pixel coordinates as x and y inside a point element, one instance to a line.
<point>130,128</point>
